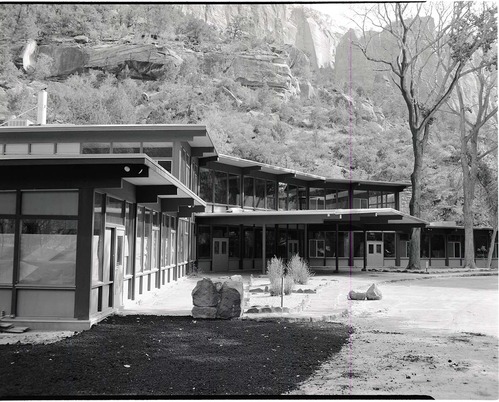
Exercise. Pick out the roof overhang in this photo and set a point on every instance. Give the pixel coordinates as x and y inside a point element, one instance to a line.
<point>196,135</point>
<point>152,182</point>
<point>246,166</point>
<point>369,218</point>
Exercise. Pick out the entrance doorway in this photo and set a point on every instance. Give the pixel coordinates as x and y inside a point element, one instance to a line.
<point>220,254</point>
<point>118,262</point>
<point>374,254</point>
<point>292,248</point>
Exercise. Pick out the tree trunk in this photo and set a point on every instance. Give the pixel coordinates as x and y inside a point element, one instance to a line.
<point>415,203</point>
<point>491,247</point>
<point>468,190</point>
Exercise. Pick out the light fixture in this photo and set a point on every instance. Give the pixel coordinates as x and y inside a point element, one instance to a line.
<point>126,169</point>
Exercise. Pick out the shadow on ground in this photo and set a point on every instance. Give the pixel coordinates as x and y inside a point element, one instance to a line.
<point>152,355</point>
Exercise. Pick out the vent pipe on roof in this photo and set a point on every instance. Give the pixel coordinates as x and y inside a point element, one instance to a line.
<point>42,108</point>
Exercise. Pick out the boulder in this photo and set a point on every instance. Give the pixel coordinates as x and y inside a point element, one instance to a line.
<point>236,278</point>
<point>373,293</point>
<point>353,295</point>
<point>230,302</point>
<point>205,294</point>
<point>204,312</point>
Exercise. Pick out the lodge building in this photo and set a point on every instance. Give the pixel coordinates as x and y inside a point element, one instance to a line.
<point>93,216</point>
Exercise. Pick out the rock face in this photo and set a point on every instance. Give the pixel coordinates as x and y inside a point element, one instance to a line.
<point>205,294</point>
<point>255,70</point>
<point>353,295</point>
<point>145,61</point>
<point>373,293</point>
<point>218,300</point>
<point>292,25</point>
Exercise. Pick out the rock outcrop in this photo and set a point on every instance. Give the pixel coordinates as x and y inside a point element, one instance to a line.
<point>144,61</point>
<point>289,24</point>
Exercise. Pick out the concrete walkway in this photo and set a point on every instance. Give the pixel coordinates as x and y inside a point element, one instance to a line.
<point>329,303</point>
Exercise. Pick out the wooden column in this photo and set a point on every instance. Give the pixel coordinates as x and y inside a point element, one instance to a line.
<point>83,275</point>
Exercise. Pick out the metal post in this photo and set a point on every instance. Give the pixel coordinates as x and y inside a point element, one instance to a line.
<point>264,249</point>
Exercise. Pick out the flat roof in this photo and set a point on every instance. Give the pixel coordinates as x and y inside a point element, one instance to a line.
<point>156,175</point>
<point>388,215</point>
<point>277,170</point>
<point>196,135</point>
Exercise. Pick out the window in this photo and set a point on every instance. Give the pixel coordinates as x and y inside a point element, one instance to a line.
<point>126,147</point>
<point>302,198</point>
<point>96,148</point>
<point>206,184</point>
<point>68,148</point>
<point>234,236</point>
<point>259,193</point>
<point>270,194</point>
<point>292,198</point>
<point>165,241</point>
<point>147,240</point>
<point>129,220</point>
<point>48,251</point>
<point>359,244</point>
<point>343,244</point>
<point>42,149</point>
<point>330,244</point>
<point>375,199</point>
<point>360,199</point>
<point>389,243</point>
<point>316,198</point>
<point>114,211</point>
<point>50,203</point>
<point>249,242</point>
<point>424,248</point>
<point>482,243</point>
<point>269,242</point>
<point>220,187</point>
<point>283,197</point>
<point>258,243</point>
<point>316,248</point>
<point>139,239</point>
<point>204,242</point>
<point>234,190</point>
<point>331,198</point>
<point>248,191</point>
<point>7,202</point>
<point>389,200</point>
<point>7,230</point>
<point>158,149</point>
<point>98,238</point>
<point>438,246</point>
<point>16,149</point>
<point>343,200</point>
<point>155,243</point>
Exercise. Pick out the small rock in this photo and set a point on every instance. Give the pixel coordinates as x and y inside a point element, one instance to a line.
<point>353,295</point>
<point>252,310</point>
<point>373,293</point>
<point>237,278</point>
<point>205,294</point>
<point>81,39</point>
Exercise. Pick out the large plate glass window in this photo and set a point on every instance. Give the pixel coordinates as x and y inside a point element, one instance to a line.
<point>7,230</point>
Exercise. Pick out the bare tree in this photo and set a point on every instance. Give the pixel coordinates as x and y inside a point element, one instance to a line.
<point>475,106</point>
<point>424,48</point>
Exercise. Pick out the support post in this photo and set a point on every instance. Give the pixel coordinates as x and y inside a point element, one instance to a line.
<point>337,249</point>
<point>264,249</point>
<point>365,249</point>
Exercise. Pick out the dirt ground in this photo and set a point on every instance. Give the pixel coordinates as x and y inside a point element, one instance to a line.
<point>164,356</point>
<point>433,337</point>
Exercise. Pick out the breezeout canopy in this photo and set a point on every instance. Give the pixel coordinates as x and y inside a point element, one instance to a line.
<point>380,218</point>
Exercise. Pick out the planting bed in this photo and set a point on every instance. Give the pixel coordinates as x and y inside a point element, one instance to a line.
<point>162,356</point>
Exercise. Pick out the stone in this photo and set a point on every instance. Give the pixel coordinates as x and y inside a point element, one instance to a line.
<point>236,278</point>
<point>204,312</point>
<point>256,290</point>
<point>373,293</point>
<point>230,302</point>
<point>205,294</point>
<point>218,286</point>
<point>81,39</point>
<point>252,310</point>
<point>310,291</point>
<point>353,295</point>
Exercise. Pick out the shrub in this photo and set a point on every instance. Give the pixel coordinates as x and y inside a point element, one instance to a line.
<point>299,270</point>
<point>275,271</point>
